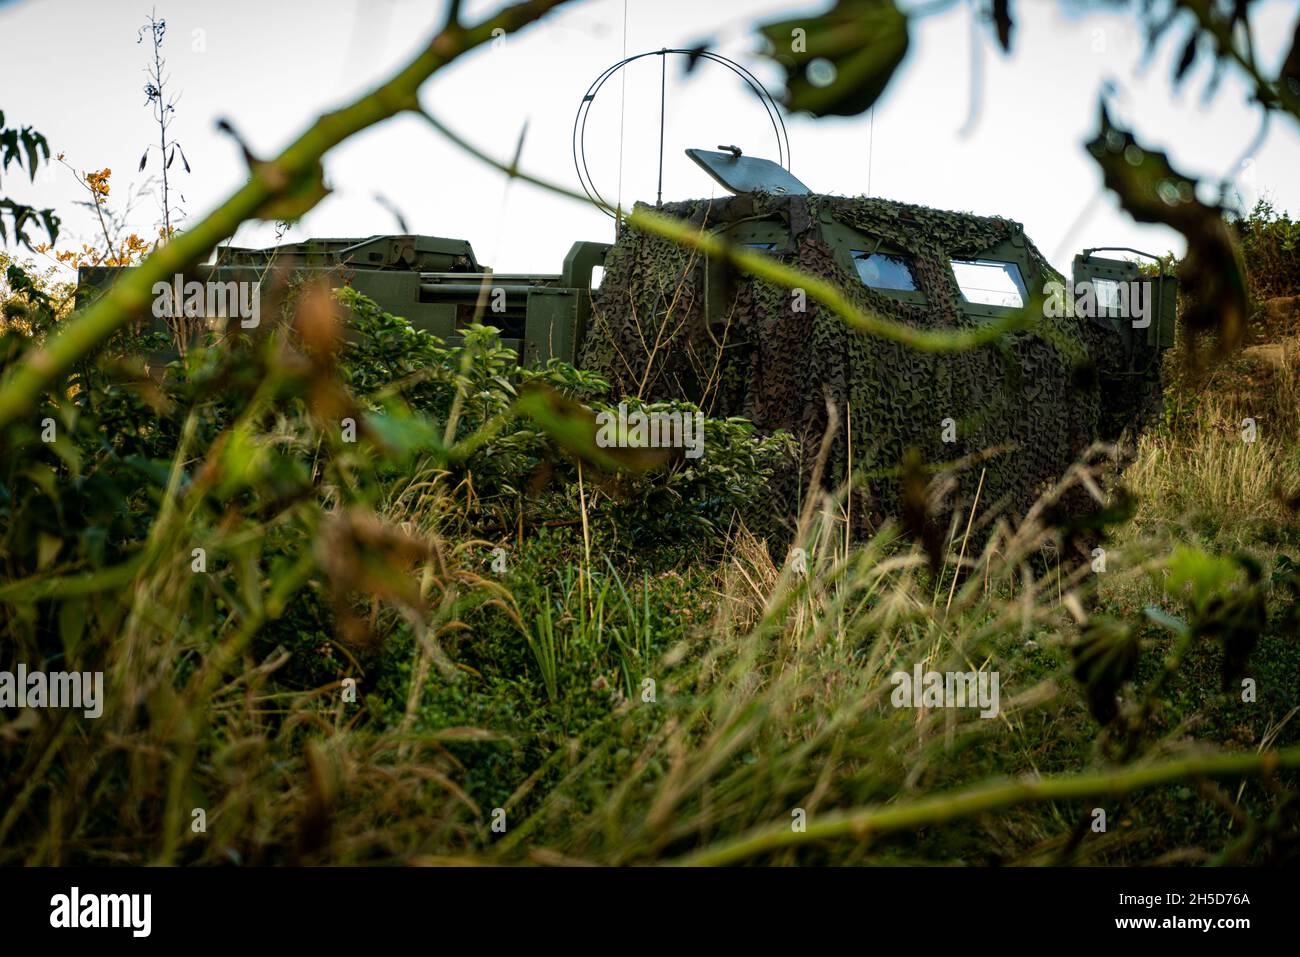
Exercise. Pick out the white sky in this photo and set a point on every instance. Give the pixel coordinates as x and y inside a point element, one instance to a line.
<point>74,71</point>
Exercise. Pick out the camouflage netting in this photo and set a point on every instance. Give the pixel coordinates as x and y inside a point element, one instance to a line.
<point>761,359</point>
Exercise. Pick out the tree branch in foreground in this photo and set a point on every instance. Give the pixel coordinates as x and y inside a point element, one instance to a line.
<point>279,179</point>
<point>867,822</point>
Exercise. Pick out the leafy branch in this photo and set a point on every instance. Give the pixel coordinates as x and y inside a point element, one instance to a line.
<point>291,183</point>
<point>24,146</point>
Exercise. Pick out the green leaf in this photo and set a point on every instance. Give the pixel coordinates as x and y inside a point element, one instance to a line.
<point>21,215</point>
<point>1105,657</point>
<point>404,434</point>
<point>1152,191</point>
<point>51,223</point>
<point>574,428</point>
<point>33,143</point>
<point>864,41</point>
<point>1162,617</point>
<point>1199,578</point>
<point>9,143</point>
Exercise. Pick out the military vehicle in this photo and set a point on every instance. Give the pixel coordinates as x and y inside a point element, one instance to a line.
<point>669,323</point>
<point>1004,420</point>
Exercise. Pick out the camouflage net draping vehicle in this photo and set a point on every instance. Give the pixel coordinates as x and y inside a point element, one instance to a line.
<point>669,323</point>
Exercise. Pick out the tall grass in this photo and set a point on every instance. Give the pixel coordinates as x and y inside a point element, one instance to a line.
<point>349,685</point>
<point>1233,457</point>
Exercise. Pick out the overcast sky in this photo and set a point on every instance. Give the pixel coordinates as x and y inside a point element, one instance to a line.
<point>74,71</point>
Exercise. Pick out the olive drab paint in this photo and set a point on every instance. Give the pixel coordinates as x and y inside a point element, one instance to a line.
<point>436,284</point>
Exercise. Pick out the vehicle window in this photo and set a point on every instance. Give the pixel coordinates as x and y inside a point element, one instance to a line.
<point>1107,293</point>
<point>990,282</point>
<point>882,271</point>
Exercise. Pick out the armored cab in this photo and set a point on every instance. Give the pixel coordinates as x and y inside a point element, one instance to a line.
<point>1008,418</point>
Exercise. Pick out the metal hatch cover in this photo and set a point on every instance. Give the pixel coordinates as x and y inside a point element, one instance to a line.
<point>748,174</point>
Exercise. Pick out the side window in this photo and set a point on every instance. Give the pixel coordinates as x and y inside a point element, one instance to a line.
<point>1107,293</point>
<point>990,282</point>
<point>883,271</point>
<point>769,236</point>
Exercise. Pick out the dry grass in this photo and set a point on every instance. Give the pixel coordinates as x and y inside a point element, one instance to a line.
<point>779,706</point>
<point>1220,468</point>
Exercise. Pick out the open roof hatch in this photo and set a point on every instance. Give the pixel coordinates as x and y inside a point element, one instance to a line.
<point>747,174</point>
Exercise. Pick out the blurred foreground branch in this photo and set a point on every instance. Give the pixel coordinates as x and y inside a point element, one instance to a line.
<point>862,824</point>
<point>293,175</point>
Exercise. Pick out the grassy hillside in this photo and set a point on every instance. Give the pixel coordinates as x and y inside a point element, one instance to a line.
<point>448,640</point>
